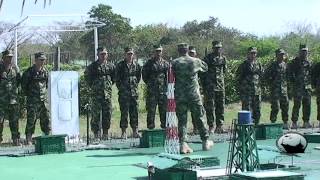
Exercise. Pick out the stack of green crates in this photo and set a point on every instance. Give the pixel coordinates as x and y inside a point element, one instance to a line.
<point>269,131</point>
<point>50,144</point>
<point>152,138</point>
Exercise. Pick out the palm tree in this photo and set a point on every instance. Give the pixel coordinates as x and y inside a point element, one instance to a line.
<point>45,2</point>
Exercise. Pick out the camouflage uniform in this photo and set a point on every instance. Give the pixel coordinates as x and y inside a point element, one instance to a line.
<point>154,74</point>
<point>316,85</point>
<point>187,94</point>
<point>276,76</point>
<point>9,83</point>
<point>100,77</point>
<point>213,88</point>
<point>34,85</point>
<point>249,76</point>
<point>127,79</point>
<point>300,79</point>
<point>193,53</point>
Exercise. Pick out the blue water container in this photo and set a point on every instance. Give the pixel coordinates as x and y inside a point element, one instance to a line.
<point>244,117</point>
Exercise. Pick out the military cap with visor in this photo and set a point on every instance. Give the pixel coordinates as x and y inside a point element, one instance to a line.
<point>252,49</point>
<point>102,50</point>
<point>7,53</point>
<point>40,56</point>
<point>128,50</point>
<point>280,51</point>
<point>192,49</point>
<point>183,46</point>
<point>157,47</point>
<point>303,47</point>
<point>216,44</point>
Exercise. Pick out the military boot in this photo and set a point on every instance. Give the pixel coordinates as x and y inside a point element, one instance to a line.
<point>294,125</point>
<point>185,149</point>
<point>207,145</point>
<point>306,125</point>
<point>219,130</point>
<point>211,130</point>
<point>124,133</point>
<point>105,135</point>
<point>135,133</point>
<point>285,125</point>
<point>29,139</point>
<point>16,142</point>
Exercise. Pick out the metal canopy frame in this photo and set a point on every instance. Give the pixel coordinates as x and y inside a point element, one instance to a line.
<point>68,28</point>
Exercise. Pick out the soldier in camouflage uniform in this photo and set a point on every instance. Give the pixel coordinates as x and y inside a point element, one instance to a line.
<point>213,87</point>
<point>154,74</point>
<point>276,76</point>
<point>128,75</point>
<point>249,76</point>
<point>100,75</point>
<point>316,85</point>
<point>187,96</point>
<point>9,107</point>
<point>300,80</point>
<point>193,53</point>
<point>34,85</point>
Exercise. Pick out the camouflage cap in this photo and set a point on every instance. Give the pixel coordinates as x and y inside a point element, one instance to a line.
<point>101,50</point>
<point>183,46</point>
<point>128,50</point>
<point>280,51</point>
<point>303,47</point>
<point>40,56</point>
<point>252,49</point>
<point>157,47</point>
<point>216,44</point>
<point>7,52</point>
<point>192,49</point>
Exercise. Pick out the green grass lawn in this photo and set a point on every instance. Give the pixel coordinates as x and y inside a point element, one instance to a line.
<point>230,113</point>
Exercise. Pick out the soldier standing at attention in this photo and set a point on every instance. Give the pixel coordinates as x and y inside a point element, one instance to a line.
<point>316,85</point>
<point>128,75</point>
<point>34,85</point>
<point>214,89</point>
<point>276,76</point>
<point>300,79</point>
<point>249,75</point>
<point>193,53</point>
<point>9,107</point>
<point>154,74</point>
<point>100,75</point>
<point>187,96</point>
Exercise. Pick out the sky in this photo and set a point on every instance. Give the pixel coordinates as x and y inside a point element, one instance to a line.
<point>259,17</point>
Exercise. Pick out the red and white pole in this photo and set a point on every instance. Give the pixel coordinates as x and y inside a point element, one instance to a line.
<point>172,145</point>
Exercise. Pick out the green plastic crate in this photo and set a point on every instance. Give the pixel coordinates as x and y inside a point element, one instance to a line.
<point>312,138</point>
<point>269,131</point>
<point>152,138</point>
<point>174,174</point>
<point>50,144</point>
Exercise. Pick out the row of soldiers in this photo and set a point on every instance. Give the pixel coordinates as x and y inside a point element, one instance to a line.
<point>34,83</point>
<point>102,74</point>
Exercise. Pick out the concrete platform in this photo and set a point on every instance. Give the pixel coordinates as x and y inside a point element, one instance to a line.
<point>129,163</point>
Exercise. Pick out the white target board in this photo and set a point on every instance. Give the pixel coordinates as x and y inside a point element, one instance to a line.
<point>64,102</point>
